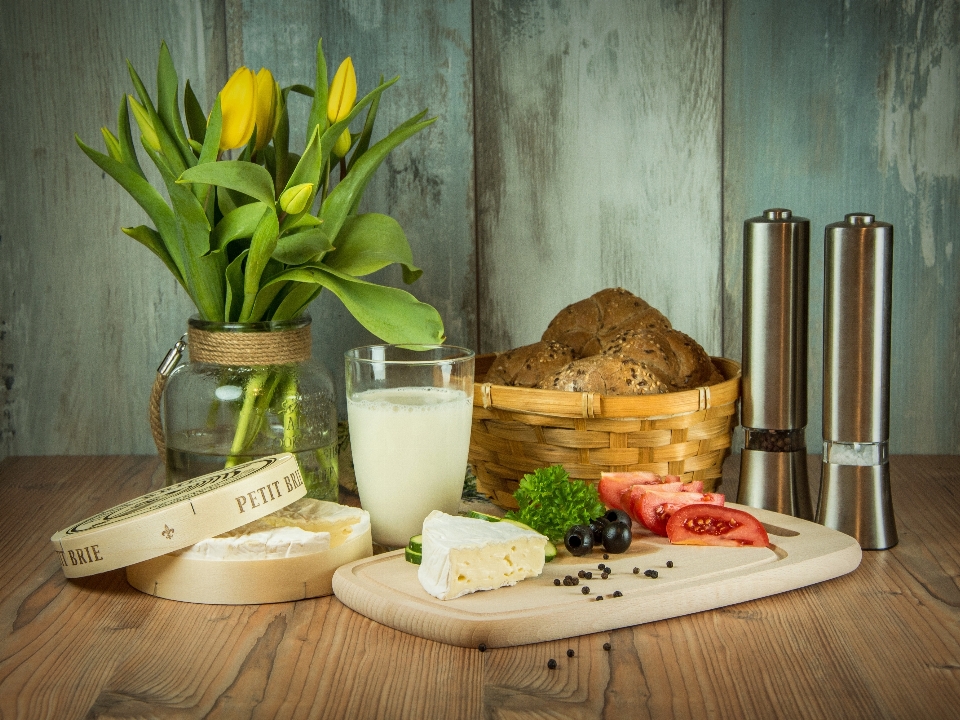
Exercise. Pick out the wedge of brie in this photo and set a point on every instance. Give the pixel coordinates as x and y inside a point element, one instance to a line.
<point>463,555</point>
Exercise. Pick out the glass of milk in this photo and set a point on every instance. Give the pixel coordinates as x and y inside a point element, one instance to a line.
<point>409,409</point>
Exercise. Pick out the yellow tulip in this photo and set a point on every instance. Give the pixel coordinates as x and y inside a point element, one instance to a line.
<point>267,95</point>
<point>237,105</point>
<point>342,146</point>
<point>294,200</point>
<point>343,92</point>
<point>147,130</point>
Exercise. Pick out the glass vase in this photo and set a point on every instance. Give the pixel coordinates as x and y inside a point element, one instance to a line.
<point>250,390</point>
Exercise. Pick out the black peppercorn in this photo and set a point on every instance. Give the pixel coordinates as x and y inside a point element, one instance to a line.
<point>585,590</point>
<point>588,575</point>
<point>556,581</point>
<point>617,593</point>
<point>606,646</point>
<point>669,563</point>
<point>604,574</point>
<point>636,571</point>
<point>552,664</point>
<point>606,557</point>
<point>599,597</point>
<point>481,647</point>
<point>570,653</point>
<point>601,566</point>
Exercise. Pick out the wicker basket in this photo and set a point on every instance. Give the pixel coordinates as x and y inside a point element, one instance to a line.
<point>517,430</point>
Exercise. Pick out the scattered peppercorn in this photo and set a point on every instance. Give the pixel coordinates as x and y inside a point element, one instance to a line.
<point>606,557</point>
<point>585,590</point>
<point>581,574</point>
<point>481,647</point>
<point>617,593</point>
<point>636,571</point>
<point>601,566</point>
<point>588,575</point>
<point>669,563</point>
<point>604,574</point>
<point>556,581</point>
<point>570,653</point>
<point>599,597</point>
<point>651,573</point>
<point>552,664</point>
<point>606,646</point>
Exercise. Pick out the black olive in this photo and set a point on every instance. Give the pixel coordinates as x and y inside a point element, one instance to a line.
<point>617,537</point>
<point>613,516</point>
<point>578,540</point>
<point>596,527</point>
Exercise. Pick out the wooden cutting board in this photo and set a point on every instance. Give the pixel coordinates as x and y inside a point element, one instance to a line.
<point>385,587</point>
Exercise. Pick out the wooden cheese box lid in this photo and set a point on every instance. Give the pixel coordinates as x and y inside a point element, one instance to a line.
<point>178,516</point>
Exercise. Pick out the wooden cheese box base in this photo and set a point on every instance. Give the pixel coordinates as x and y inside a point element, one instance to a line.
<point>245,582</point>
<point>385,588</point>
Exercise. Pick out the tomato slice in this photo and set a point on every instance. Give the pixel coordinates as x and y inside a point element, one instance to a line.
<point>655,507</point>
<point>613,484</point>
<point>630,498</point>
<point>701,524</point>
<point>693,486</point>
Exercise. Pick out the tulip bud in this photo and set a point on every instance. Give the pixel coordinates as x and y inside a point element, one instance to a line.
<point>238,105</point>
<point>342,146</point>
<point>293,200</point>
<point>146,126</point>
<point>343,92</point>
<point>267,94</point>
<point>113,145</point>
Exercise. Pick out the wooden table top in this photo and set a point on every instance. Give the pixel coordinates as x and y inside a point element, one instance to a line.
<point>881,642</point>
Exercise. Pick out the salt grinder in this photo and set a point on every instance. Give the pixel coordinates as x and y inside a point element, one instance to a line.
<point>773,466</point>
<point>857,289</point>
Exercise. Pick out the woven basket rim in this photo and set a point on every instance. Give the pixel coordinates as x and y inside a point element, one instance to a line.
<point>564,403</point>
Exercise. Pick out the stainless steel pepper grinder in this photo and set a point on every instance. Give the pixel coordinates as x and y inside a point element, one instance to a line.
<point>857,288</point>
<point>773,466</point>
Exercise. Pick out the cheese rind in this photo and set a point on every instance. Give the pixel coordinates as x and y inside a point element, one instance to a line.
<point>464,555</point>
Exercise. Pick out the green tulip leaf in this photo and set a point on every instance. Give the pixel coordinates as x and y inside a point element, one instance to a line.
<point>303,246</point>
<point>211,139</point>
<point>245,177</point>
<point>300,89</point>
<point>318,108</point>
<point>234,283</point>
<point>239,223</point>
<point>168,103</point>
<point>128,153</point>
<point>146,196</point>
<point>370,242</point>
<point>196,120</point>
<point>363,142</point>
<point>393,315</point>
<point>150,238</point>
<point>262,245</point>
<point>168,148</point>
<point>346,194</point>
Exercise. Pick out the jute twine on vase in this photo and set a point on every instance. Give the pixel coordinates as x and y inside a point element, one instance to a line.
<point>232,349</point>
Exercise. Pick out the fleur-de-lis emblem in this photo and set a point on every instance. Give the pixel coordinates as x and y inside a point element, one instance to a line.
<point>167,532</point>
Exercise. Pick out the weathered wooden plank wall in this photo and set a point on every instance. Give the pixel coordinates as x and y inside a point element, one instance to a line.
<point>580,145</point>
<point>833,107</point>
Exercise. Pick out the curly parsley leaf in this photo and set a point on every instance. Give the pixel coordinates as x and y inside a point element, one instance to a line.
<point>550,502</point>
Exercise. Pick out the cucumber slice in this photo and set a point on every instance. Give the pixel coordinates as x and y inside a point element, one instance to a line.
<point>412,557</point>
<point>518,524</point>
<point>416,543</point>
<point>483,516</point>
<point>549,551</point>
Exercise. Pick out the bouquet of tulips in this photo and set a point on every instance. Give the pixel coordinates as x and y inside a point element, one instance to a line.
<point>259,237</point>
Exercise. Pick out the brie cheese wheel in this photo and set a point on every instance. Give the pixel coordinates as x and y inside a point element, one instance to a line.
<point>463,555</point>
<point>289,555</point>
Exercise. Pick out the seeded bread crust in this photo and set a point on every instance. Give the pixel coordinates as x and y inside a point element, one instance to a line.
<point>608,375</point>
<point>527,366</point>
<point>648,347</point>
<point>695,367</point>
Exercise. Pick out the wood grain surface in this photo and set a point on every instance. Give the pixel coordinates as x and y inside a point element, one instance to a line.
<point>881,642</point>
<point>579,145</point>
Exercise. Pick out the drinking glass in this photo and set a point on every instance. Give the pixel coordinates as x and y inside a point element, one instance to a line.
<point>409,409</point>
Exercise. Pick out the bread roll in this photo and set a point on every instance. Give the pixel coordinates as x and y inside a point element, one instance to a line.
<point>526,366</point>
<point>695,366</point>
<point>607,375</point>
<point>648,347</point>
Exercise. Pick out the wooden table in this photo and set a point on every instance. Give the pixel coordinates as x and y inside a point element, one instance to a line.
<point>881,642</point>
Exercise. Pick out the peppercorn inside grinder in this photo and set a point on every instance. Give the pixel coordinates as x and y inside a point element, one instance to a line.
<point>857,288</point>
<point>773,465</point>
